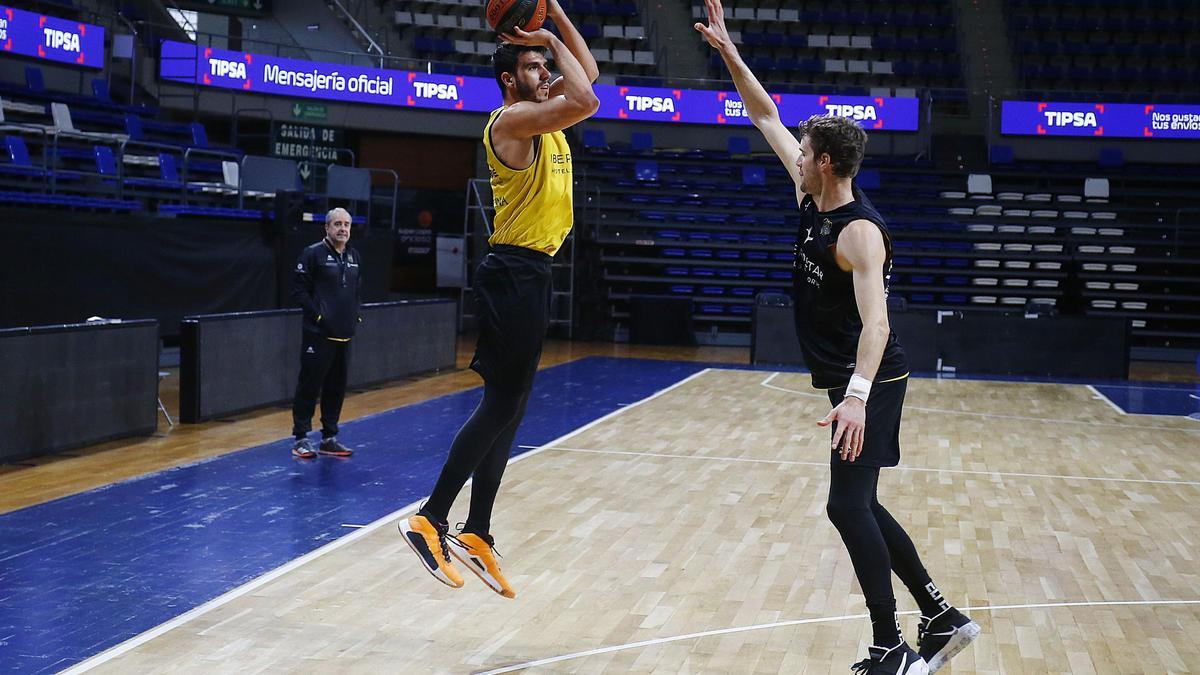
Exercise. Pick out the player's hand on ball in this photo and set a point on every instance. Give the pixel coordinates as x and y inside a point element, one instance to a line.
<point>538,38</point>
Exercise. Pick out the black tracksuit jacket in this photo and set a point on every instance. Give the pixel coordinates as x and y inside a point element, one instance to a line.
<point>329,288</point>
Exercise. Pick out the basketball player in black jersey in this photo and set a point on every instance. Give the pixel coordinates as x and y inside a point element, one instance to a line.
<point>840,275</point>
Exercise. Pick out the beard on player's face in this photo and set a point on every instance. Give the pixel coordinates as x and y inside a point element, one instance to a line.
<point>530,89</point>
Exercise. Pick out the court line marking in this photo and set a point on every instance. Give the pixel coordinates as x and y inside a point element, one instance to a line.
<point>235,593</point>
<point>1097,394</point>
<point>1023,418</point>
<point>791,462</point>
<point>800,622</point>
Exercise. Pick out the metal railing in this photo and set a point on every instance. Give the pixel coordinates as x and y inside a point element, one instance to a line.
<point>362,32</point>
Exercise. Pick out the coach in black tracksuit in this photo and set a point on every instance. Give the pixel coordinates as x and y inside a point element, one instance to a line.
<point>327,283</point>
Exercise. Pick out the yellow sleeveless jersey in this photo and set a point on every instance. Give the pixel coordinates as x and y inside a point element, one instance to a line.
<point>534,207</point>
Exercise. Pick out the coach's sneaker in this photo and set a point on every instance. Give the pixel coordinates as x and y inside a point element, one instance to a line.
<point>479,555</point>
<point>945,635</point>
<point>332,447</point>
<point>428,540</point>
<point>899,660</point>
<point>303,449</point>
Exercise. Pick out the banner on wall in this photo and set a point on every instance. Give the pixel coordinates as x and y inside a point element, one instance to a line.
<point>255,73</point>
<point>47,37</point>
<point>1100,120</point>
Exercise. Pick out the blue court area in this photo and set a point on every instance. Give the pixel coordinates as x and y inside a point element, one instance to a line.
<point>83,573</point>
<point>1154,399</point>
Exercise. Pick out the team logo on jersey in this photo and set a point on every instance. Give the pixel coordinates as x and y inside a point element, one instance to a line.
<point>826,225</point>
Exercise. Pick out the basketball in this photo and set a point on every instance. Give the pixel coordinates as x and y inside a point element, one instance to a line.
<point>504,15</point>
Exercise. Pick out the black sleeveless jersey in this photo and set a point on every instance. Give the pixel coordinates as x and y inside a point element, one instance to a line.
<point>826,313</point>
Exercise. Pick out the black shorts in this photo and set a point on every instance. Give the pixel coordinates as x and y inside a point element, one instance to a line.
<point>881,446</point>
<point>512,308</point>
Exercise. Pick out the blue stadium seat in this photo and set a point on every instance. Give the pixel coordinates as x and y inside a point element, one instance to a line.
<point>34,80</point>
<point>646,170</point>
<point>1001,154</point>
<point>1112,158</point>
<point>18,154</point>
<point>100,91</point>
<point>867,179</point>
<point>134,127</point>
<point>593,139</point>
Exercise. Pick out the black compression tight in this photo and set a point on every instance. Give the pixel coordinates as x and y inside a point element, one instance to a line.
<point>481,449</point>
<point>877,545</point>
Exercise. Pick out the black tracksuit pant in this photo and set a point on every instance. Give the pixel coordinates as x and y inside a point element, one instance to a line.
<point>323,367</point>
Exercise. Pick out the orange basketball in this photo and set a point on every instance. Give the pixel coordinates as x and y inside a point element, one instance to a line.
<point>504,15</point>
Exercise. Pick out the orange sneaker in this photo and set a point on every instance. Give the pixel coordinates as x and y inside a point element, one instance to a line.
<point>479,555</point>
<point>428,541</point>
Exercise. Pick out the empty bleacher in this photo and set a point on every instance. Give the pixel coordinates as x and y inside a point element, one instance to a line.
<point>88,153</point>
<point>1121,48</point>
<point>455,32</point>
<point>846,49</point>
<point>719,228</point>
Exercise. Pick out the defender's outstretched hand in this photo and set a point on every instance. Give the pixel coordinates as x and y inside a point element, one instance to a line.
<point>715,32</point>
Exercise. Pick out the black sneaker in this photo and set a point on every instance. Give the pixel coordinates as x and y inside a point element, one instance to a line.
<point>303,449</point>
<point>330,446</point>
<point>945,635</point>
<point>899,660</point>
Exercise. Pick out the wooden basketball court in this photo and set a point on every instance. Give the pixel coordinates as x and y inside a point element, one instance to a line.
<point>686,533</point>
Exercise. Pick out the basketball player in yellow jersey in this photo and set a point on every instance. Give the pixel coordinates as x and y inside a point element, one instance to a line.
<point>530,165</point>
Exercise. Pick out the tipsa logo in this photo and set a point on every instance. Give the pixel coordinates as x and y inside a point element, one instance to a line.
<point>664,104</point>
<point>436,91</point>
<point>61,40</point>
<point>1055,118</point>
<point>640,103</point>
<point>232,69</point>
<point>441,92</point>
<point>855,112</point>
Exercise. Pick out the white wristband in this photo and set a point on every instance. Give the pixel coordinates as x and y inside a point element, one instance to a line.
<point>859,387</point>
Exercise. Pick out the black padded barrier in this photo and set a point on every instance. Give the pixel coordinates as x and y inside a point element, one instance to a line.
<point>71,385</point>
<point>979,343</point>
<point>231,363</point>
